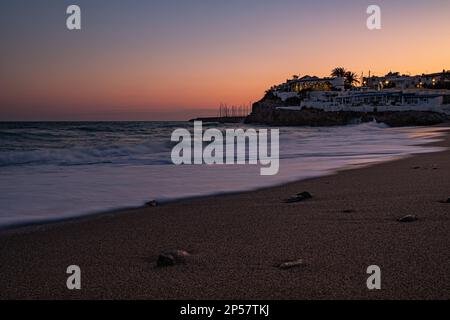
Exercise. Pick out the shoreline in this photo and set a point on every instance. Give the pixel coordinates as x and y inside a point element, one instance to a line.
<point>37,225</point>
<point>236,239</point>
<point>34,225</point>
<point>31,224</point>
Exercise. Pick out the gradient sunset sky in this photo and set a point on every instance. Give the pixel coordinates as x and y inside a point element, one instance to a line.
<point>172,60</point>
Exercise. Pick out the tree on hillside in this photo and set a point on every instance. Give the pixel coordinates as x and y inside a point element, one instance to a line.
<point>338,72</point>
<point>351,79</point>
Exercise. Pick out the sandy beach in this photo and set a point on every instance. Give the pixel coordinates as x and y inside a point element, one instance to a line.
<point>237,241</point>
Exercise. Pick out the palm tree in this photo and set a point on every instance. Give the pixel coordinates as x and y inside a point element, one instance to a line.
<point>338,72</point>
<point>350,79</point>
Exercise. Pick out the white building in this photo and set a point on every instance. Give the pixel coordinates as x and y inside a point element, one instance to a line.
<point>312,83</point>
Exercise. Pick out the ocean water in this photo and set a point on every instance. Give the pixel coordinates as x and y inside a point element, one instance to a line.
<point>52,171</point>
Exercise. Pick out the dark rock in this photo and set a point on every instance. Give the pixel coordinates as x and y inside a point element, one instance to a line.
<point>410,118</point>
<point>299,197</point>
<point>291,264</point>
<point>448,200</point>
<point>171,258</point>
<point>415,168</point>
<point>152,203</point>
<point>348,211</point>
<point>266,112</point>
<point>408,218</point>
<point>165,260</point>
<point>305,195</point>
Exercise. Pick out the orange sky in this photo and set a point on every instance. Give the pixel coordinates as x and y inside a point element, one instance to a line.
<point>154,69</point>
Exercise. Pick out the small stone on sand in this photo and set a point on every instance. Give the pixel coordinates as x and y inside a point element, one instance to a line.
<point>299,197</point>
<point>165,260</point>
<point>152,203</point>
<point>171,258</point>
<point>291,264</point>
<point>408,218</point>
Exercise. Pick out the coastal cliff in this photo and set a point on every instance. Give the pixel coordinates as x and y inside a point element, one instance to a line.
<point>267,112</point>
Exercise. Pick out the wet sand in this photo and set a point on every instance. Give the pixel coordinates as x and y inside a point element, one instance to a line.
<point>237,241</point>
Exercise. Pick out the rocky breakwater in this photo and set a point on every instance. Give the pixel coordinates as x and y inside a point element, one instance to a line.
<point>267,112</point>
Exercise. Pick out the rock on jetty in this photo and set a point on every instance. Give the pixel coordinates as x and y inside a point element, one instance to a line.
<point>267,112</point>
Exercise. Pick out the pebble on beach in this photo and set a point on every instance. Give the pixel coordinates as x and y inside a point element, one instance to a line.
<point>408,218</point>
<point>171,258</point>
<point>291,264</point>
<point>299,197</point>
<point>152,203</point>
